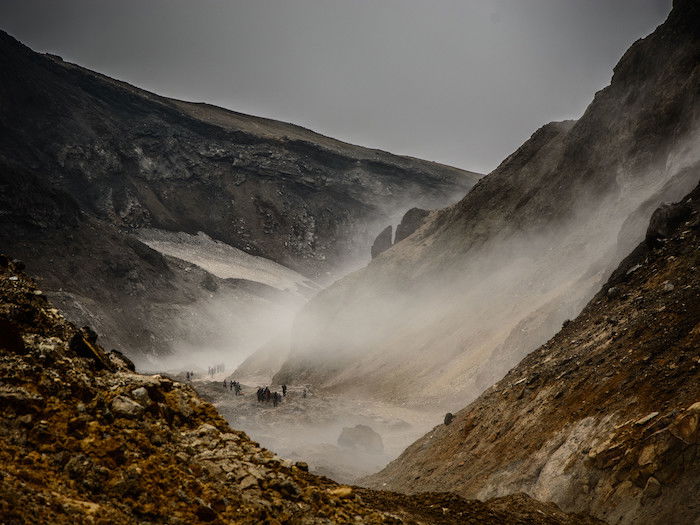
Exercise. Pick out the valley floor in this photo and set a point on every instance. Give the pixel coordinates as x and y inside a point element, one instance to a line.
<point>307,428</point>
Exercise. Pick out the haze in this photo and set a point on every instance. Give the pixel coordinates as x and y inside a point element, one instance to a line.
<point>463,83</point>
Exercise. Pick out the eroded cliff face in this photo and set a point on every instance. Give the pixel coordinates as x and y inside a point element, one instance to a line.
<point>444,313</point>
<point>605,417</point>
<point>85,439</point>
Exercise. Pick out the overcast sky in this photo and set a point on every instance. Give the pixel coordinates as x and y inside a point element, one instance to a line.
<point>460,82</point>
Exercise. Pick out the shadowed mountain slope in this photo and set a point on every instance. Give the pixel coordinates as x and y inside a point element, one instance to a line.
<point>88,162</point>
<point>270,188</point>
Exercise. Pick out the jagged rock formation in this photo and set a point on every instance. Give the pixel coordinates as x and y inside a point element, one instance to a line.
<point>605,417</point>
<point>447,311</point>
<point>411,221</point>
<point>84,439</point>
<point>86,159</point>
<point>383,242</point>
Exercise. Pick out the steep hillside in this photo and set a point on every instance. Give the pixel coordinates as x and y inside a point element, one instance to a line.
<point>84,439</point>
<point>146,303</point>
<point>444,313</point>
<point>269,188</point>
<point>605,417</point>
<point>90,166</point>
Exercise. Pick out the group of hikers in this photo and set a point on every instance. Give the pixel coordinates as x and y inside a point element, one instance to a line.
<point>216,369</point>
<point>233,385</point>
<point>189,376</point>
<point>265,395</point>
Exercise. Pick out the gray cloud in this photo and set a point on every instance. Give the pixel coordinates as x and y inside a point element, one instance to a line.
<point>460,82</point>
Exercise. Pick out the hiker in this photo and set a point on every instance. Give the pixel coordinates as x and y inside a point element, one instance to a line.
<point>304,394</point>
<point>275,399</point>
<point>268,394</point>
<point>284,390</point>
<point>448,418</point>
<point>224,384</point>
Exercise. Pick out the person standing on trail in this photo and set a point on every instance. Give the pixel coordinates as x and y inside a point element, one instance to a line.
<point>304,394</point>
<point>275,399</point>
<point>284,390</point>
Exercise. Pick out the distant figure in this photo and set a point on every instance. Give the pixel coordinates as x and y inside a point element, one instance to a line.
<point>304,394</point>
<point>268,394</point>
<point>224,384</point>
<point>276,399</point>
<point>284,390</point>
<point>448,418</point>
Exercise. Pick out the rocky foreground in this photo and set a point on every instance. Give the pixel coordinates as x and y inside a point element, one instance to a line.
<point>85,439</point>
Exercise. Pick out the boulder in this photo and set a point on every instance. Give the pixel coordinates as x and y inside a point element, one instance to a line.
<point>411,221</point>
<point>382,243</point>
<point>361,437</point>
<point>123,406</point>
<point>665,219</point>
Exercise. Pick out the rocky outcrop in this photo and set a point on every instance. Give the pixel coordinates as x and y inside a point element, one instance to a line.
<point>411,221</point>
<point>489,279</point>
<point>382,243</point>
<point>603,418</point>
<point>80,443</point>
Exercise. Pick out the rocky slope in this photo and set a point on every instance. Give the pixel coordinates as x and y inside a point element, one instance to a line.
<point>144,301</point>
<point>605,417</point>
<point>447,311</point>
<point>88,162</point>
<point>84,439</point>
<point>136,159</point>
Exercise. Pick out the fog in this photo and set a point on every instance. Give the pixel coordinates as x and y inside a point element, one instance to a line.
<point>425,329</point>
<point>439,318</point>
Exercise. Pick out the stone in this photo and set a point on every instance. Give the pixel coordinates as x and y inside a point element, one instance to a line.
<point>140,394</point>
<point>341,492</point>
<point>665,219</point>
<point>248,482</point>
<point>652,489</point>
<point>382,242</point>
<point>123,406</point>
<point>361,437</point>
<point>646,418</point>
<point>411,221</point>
